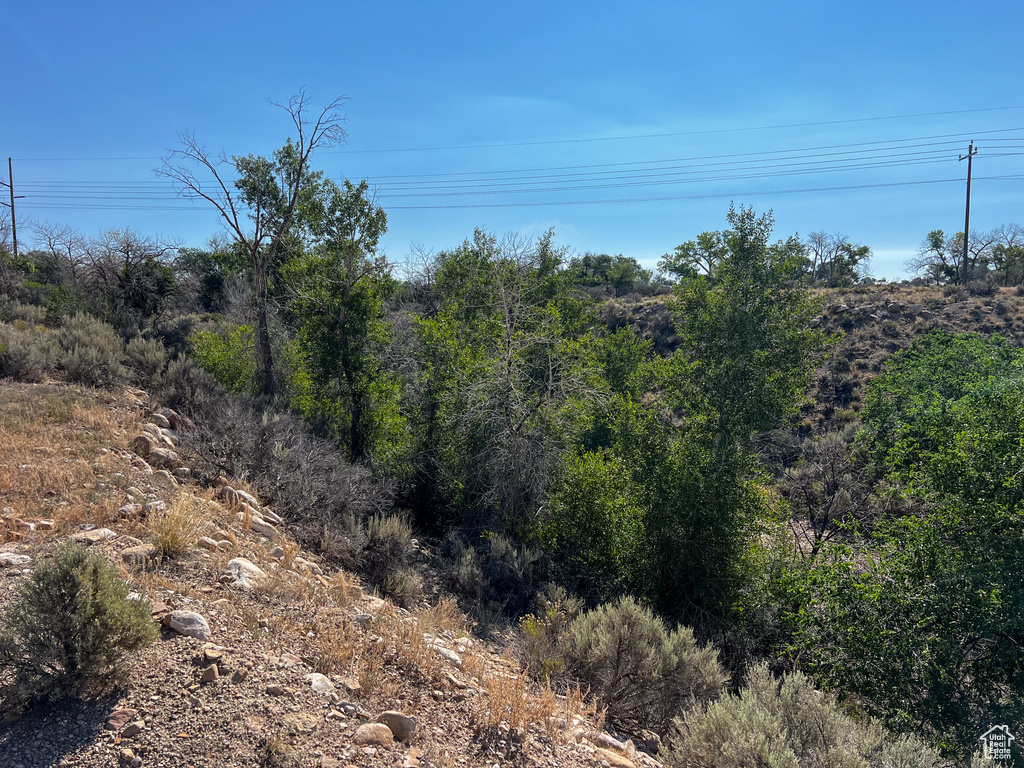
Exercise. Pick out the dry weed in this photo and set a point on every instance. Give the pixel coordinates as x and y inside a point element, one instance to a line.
<point>176,529</point>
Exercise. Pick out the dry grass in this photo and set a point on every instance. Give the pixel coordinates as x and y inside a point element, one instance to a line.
<point>176,529</point>
<point>50,439</point>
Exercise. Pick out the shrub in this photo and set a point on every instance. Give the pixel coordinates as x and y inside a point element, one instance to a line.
<point>388,540</point>
<point>70,628</point>
<point>786,722</point>
<point>544,630</point>
<point>90,351</point>
<point>24,354</point>
<point>641,671</point>
<point>147,357</point>
<point>230,357</point>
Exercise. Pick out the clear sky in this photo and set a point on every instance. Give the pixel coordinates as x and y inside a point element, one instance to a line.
<point>628,128</point>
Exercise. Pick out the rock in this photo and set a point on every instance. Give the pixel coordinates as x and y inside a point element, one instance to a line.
<point>166,477</point>
<point>373,735</point>
<point>264,528</point>
<point>351,685</point>
<point>155,506</point>
<point>141,556</point>
<point>130,510</point>
<point>244,573</point>
<point>143,445</point>
<point>270,517</point>
<point>280,690</point>
<point>164,458</point>
<point>210,674</point>
<point>207,543</point>
<point>141,465</point>
<point>614,759</point>
<point>239,676</point>
<point>320,683</point>
<point>188,623</point>
<point>412,758</point>
<point>401,726</point>
<point>277,553</point>
<point>248,498</point>
<point>363,619</point>
<point>172,417</point>
<point>160,420</point>
<point>133,729</point>
<point>182,473</point>
<point>10,559</point>
<point>97,536</point>
<point>46,525</point>
<point>606,741</point>
<point>117,719</point>
<point>448,654</point>
<point>300,723</point>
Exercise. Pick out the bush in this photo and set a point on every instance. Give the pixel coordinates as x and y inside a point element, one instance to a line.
<point>147,357</point>
<point>640,670</point>
<point>229,357</point>
<point>499,577</point>
<point>388,540</point>
<point>177,528</point>
<point>70,628</point>
<point>25,355</point>
<point>786,722</point>
<point>90,351</point>
<point>544,630</point>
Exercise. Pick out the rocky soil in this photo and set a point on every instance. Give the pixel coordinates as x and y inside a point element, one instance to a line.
<point>267,656</point>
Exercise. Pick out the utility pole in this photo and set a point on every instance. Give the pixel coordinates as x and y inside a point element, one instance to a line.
<point>14,224</point>
<point>971,152</point>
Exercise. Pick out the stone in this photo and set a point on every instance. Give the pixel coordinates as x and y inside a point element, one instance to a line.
<point>280,690</point>
<point>300,723</point>
<point>130,510</point>
<point>154,506</point>
<point>182,473</point>
<point>372,735</point>
<point>133,729</point>
<point>363,619</point>
<point>141,556</point>
<point>143,445</point>
<point>448,654</point>
<point>126,756</point>
<point>188,623</point>
<point>606,741</point>
<point>270,517</point>
<point>46,525</point>
<point>351,685</point>
<point>244,573</point>
<point>277,553</point>
<point>119,718</point>
<point>207,543</point>
<point>320,683</point>
<point>97,536</point>
<point>264,528</point>
<point>248,498</point>
<point>614,759</point>
<point>141,465</point>
<point>210,674</point>
<point>164,458</point>
<point>239,676</point>
<point>160,420</point>
<point>10,559</point>
<point>401,726</point>
<point>166,477</point>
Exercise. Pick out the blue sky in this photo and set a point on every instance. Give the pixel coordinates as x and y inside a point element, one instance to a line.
<point>670,110</point>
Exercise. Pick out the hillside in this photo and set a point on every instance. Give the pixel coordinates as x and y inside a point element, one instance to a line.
<point>296,657</point>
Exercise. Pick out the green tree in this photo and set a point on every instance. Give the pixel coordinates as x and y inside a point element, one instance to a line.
<point>338,292</point>
<point>925,619</point>
<point>268,192</point>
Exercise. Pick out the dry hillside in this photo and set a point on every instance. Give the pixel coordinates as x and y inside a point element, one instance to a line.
<point>266,655</point>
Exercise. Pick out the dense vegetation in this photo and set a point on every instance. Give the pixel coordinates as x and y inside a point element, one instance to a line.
<point>483,401</point>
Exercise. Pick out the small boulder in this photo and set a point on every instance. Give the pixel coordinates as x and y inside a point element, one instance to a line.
<point>189,624</point>
<point>133,729</point>
<point>143,445</point>
<point>164,458</point>
<point>141,556</point>
<point>10,559</point>
<point>373,735</point>
<point>119,718</point>
<point>320,683</point>
<point>160,420</point>
<point>264,528</point>
<point>96,536</point>
<point>207,543</point>
<point>402,726</point>
<point>244,573</point>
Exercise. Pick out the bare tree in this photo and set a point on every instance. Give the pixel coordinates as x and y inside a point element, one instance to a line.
<point>259,207</point>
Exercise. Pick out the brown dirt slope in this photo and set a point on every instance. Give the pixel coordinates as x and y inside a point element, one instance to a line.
<point>250,695</point>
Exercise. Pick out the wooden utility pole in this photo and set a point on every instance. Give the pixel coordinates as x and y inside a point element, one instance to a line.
<point>10,185</point>
<point>971,152</point>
